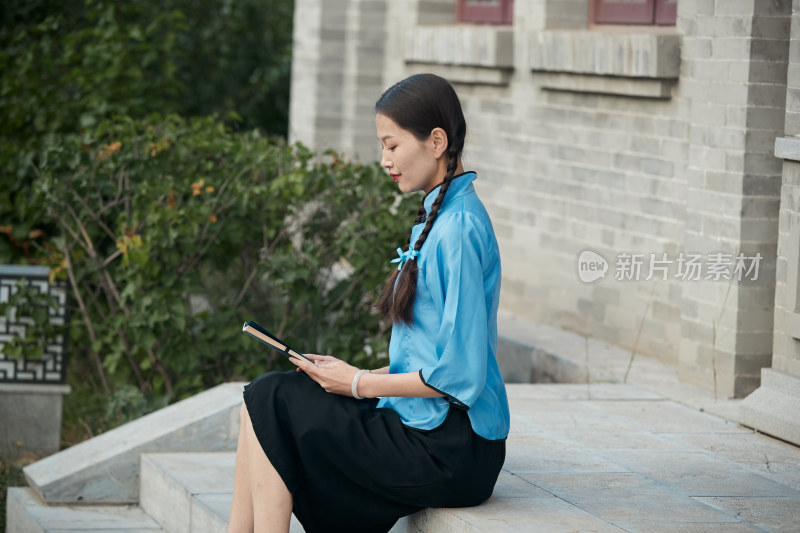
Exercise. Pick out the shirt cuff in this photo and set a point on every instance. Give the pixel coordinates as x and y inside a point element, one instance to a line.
<point>452,399</point>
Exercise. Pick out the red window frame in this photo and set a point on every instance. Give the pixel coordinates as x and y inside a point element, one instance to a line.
<point>648,12</point>
<point>485,11</point>
<point>666,12</point>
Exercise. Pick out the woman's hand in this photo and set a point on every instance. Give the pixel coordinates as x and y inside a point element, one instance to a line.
<point>332,374</point>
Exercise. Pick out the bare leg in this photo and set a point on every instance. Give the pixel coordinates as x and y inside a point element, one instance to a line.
<point>241,520</point>
<point>271,500</point>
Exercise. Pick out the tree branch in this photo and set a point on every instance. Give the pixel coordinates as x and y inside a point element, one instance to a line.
<point>89,325</point>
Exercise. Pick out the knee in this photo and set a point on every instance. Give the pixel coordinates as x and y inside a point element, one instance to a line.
<point>268,380</point>
<point>268,385</point>
<point>244,418</point>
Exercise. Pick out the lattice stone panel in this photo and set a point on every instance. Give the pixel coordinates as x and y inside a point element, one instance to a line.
<point>51,368</point>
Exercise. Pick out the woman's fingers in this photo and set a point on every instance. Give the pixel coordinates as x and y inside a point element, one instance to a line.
<point>331,374</point>
<point>302,364</point>
<point>322,360</point>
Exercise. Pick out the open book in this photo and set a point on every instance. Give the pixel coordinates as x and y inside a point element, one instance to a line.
<point>259,333</point>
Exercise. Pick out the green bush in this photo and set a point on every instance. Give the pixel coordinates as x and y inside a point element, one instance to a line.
<point>71,64</point>
<point>172,232</point>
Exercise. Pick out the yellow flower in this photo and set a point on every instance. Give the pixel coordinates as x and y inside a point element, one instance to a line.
<point>109,150</point>
<point>209,189</point>
<point>160,146</point>
<point>197,187</point>
<point>212,219</point>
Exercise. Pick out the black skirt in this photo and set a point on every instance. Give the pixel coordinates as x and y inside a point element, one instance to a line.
<point>353,467</point>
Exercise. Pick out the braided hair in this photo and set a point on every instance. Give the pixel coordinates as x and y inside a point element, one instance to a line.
<point>420,104</point>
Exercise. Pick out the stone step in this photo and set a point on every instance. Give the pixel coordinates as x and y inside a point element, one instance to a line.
<point>27,513</point>
<point>105,469</point>
<point>190,492</point>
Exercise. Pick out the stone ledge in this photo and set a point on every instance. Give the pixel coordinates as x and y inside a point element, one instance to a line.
<point>529,352</point>
<point>26,513</point>
<point>462,45</point>
<point>772,408</point>
<point>105,469</point>
<point>630,55</point>
<point>463,74</point>
<point>584,83</point>
<point>787,148</point>
<point>34,388</point>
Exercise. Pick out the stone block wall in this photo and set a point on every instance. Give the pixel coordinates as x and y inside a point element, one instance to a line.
<point>734,77</point>
<point>772,408</point>
<point>639,144</point>
<point>337,74</point>
<point>786,352</point>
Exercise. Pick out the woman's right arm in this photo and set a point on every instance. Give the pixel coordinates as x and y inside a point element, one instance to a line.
<point>384,370</point>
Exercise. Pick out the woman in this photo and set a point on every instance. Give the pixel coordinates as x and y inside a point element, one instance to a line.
<point>351,450</point>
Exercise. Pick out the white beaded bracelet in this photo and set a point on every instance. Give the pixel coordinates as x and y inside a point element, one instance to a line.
<point>354,385</point>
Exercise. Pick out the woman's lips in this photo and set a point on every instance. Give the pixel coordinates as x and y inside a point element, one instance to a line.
<point>394,176</point>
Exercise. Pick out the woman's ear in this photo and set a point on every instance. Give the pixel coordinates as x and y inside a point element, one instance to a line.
<point>439,139</point>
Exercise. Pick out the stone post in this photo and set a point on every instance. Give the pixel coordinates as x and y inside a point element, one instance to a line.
<point>772,408</point>
<point>734,65</point>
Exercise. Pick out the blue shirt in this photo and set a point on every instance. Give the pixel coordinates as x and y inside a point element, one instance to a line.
<point>452,341</point>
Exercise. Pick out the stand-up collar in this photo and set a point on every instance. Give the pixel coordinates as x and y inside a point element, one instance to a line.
<point>459,185</point>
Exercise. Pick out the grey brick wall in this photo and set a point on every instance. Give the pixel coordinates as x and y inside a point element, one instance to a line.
<point>680,162</point>
<point>786,351</point>
<point>337,74</point>
<point>772,408</point>
<point>736,88</point>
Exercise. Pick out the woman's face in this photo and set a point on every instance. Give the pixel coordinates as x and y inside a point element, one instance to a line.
<point>413,164</point>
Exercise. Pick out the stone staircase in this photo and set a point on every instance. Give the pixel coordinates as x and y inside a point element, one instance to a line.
<point>170,471</point>
<point>179,492</point>
<point>95,485</point>
<point>191,492</point>
<point>595,455</point>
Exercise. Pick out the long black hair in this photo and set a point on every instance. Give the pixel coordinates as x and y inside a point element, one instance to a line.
<point>419,104</point>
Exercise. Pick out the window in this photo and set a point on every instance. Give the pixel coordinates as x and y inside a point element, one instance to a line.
<point>485,11</point>
<point>649,12</point>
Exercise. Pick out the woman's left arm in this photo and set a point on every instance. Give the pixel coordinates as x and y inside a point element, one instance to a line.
<point>406,384</point>
<point>336,376</point>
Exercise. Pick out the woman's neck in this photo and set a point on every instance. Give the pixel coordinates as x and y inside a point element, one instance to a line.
<point>443,173</point>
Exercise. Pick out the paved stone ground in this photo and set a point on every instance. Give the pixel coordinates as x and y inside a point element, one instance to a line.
<point>611,457</point>
<point>602,457</point>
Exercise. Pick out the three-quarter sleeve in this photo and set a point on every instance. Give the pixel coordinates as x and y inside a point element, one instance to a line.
<point>455,279</point>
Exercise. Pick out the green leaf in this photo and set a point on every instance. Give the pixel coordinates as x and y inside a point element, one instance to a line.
<point>87,120</point>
